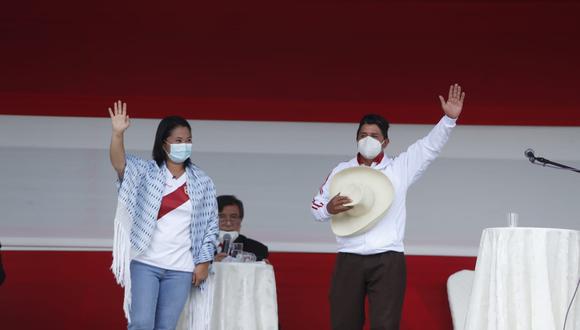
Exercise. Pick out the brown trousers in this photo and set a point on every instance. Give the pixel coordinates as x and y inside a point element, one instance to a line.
<point>380,276</point>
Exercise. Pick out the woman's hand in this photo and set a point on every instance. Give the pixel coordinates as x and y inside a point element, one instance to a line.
<point>120,122</point>
<point>220,256</point>
<point>454,104</point>
<point>200,273</point>
<point>119,117</point>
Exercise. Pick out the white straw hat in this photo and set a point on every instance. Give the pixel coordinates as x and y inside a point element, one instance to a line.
<point>371,193</point>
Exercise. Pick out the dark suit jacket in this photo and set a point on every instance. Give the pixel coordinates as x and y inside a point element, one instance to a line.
<point>250,245</point>
<point>2,274</point>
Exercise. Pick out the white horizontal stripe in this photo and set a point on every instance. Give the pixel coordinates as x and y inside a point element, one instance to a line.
<point>55,244</point>
<point>475,142</point>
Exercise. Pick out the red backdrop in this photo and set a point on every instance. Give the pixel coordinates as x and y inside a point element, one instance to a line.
<point>311,60</point>
<point>76,290</point>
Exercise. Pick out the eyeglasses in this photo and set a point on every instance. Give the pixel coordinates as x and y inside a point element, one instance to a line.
<point>229,218</point>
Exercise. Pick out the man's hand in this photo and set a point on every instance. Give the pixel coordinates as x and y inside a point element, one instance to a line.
<point>200,273</point>
<point>454,104</point>
<point>336,204</point>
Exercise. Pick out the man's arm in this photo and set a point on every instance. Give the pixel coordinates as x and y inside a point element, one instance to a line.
<point>415,160</point>
<point>323,206</point>
<point>320,201</point>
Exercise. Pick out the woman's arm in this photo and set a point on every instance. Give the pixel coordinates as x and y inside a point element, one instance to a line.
<point>120,122</point>
<point>206,252</point>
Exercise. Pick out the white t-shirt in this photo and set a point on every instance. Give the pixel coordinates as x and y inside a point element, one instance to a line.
<point>171,242</point>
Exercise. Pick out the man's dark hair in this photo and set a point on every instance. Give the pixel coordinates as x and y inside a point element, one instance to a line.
<point>225,200</point>
<point>164,129</point>
<point>372,119</point>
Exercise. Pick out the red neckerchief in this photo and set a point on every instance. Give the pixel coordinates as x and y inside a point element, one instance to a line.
<point>361,160</point>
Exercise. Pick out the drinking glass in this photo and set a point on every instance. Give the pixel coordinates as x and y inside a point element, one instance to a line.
<point>236,249</point>
<point>512,219</point>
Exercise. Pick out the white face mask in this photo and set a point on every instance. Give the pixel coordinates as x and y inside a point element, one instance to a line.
<point>179,152</point>
<point>369,147</point>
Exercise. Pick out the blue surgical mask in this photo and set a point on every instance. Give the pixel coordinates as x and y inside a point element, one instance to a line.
<point>179,152</point>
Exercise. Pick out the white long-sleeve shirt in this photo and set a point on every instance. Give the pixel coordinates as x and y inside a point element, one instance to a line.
<point>387,234</point>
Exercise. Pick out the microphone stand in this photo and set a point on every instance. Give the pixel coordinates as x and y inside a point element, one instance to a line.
<point>544,162</point>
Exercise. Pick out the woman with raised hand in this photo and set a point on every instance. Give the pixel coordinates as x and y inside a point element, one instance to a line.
<point>166,223</point>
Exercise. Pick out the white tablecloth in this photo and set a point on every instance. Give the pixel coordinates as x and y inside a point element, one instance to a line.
<point>244,297</point>
<point>525,279</point>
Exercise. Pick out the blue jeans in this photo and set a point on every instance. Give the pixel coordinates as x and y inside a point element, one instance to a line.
<point>158,296</point>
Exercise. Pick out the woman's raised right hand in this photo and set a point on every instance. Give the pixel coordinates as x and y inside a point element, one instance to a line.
<point>119,117</point>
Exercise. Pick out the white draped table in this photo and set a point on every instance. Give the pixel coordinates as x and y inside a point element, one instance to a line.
<point>244,297</point>
<point>525,279</point>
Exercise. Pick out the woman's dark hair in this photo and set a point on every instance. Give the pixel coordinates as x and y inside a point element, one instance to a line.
<point>372,119</point>
<point>225,200</point>
<point>164,129</point>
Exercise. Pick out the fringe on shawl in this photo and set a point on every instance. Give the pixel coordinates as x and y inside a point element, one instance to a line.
<point>197,312</point>
<point>121,266</point>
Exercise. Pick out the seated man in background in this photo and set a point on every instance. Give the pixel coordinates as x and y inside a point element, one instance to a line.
<point>231,214</point>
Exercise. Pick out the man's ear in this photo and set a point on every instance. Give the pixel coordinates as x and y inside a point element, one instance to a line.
<point>385,143</point>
